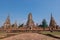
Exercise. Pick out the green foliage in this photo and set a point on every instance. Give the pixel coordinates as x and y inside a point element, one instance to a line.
<point>21,25</point>
<point>12,25</point>
<point>44,23</point>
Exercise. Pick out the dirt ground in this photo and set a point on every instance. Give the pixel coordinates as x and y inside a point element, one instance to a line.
<point>30,36</point>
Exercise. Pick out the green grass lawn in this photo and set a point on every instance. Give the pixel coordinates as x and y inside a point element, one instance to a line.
<point>53,33</point>
<point>56,33</point>
<point>4,34</point>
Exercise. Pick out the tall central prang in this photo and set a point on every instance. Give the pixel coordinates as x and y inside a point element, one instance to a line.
<point>30,22</point>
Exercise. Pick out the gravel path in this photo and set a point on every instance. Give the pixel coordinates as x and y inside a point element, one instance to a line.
<point>30,36</point>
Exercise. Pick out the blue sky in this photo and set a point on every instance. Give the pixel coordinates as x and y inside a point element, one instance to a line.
<point>19,10</point>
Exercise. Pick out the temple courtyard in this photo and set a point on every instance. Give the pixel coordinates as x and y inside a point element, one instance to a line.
<point>32,36</point>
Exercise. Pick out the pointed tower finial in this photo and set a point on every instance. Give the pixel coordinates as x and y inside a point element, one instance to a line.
<point>8,16</point>
<point>30,16</point>
<point>51,15</point>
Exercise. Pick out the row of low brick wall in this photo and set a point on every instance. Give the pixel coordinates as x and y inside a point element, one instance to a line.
<point>24,29</point>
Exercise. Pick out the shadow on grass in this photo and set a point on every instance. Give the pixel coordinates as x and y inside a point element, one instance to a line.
<point>50,35</point>
<point>8,35</point>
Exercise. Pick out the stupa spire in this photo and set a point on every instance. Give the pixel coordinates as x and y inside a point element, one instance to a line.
<point>52,22</point>
<point>7,22</point>
<point>15,24</point>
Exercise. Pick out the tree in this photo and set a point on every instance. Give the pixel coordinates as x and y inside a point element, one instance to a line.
<point>21,25</point>
<point>44,23</point>
<point>12,25</point>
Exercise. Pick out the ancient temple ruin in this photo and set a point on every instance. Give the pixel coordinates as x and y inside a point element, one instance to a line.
<point>30,25</point>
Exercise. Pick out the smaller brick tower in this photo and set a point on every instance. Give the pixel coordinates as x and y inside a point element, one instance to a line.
<point>52,24</point>
<point>7,23</point>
